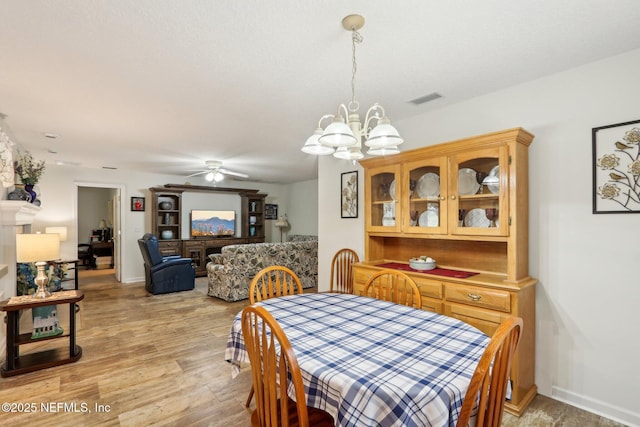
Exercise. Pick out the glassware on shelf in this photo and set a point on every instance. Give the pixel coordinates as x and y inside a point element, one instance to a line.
<point>480,177</point>
<point>492,215</point>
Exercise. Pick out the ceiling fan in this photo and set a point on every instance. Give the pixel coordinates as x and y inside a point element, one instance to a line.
<point>215,172</point>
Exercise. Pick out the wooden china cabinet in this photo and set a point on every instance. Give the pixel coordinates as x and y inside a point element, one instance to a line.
<point>465,204</point>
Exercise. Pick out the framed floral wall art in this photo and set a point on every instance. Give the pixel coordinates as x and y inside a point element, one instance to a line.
<point>349,195</point>
<point>616,168</point>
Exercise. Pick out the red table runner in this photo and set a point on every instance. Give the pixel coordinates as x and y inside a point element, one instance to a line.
<point>437,271</point>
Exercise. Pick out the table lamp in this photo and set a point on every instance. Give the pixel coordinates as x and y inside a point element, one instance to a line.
<point>38,248</point>
<point>282,223</point>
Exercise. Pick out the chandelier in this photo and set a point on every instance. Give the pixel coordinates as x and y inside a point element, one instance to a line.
<point>344,140</point>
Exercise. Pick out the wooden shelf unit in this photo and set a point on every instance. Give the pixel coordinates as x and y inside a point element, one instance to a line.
<point>253,222</point>
<point>15,364</point>
<point>418,203</point>
<point>252,205</point>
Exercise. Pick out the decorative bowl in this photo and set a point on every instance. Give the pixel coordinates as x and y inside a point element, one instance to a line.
<point>422,263</point>
<point>166,206</point>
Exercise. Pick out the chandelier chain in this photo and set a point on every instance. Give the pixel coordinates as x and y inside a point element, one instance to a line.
<point>355,38</point>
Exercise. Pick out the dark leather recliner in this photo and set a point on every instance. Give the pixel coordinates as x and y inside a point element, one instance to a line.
<point>165,274</point>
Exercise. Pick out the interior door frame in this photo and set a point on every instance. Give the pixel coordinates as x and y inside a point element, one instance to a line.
<point>118,221</point>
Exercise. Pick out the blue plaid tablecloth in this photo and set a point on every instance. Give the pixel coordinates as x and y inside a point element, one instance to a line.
<point>373,363</point>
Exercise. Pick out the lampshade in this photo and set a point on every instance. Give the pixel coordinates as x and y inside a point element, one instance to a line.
<point>37,247</point>
<point>282,222</point>
<point>313,146</point>
<point>384,135</point>
<point>62,231</point>
<point>338,134</point>
<point>349,153</point>
<point>383,151</point>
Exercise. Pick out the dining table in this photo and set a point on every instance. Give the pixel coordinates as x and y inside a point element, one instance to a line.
<point>370,362</point>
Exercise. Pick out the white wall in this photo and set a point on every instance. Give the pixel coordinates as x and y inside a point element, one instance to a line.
<point>302,209</point>
<point>588,292</point>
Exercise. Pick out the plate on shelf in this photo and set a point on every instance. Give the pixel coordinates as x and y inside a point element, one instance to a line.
<point>428,185</point>
<point>467,182</point>
<point>494,173</point>
<point>428,218</point>
<point>392,189</point>
<point>476,218</point>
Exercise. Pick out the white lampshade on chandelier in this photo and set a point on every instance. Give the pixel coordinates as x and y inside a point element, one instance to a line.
<point>344,140</point>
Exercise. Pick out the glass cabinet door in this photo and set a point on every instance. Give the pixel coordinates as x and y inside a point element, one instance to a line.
<point>478,196</point>
<point>425,201</point>
<point>383,193</point>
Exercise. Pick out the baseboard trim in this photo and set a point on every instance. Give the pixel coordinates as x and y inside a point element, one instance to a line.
<point>615,413</point>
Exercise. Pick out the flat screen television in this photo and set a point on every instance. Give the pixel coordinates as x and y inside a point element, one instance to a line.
<point>210,223</point>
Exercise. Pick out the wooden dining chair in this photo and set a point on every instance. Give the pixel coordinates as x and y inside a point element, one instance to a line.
<point>274,281</point>
<point>342,271</point>
<point>394,286</point>
<point>488,387</point>
<point>274,367</point>
<point>271,282</point>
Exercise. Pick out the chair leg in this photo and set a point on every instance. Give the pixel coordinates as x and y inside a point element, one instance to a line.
<point>250,397</point>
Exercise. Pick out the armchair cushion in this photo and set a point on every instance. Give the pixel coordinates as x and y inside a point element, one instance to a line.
<point>164,274</point>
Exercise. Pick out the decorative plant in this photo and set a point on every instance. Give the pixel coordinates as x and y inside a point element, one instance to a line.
<point>29,170</point>
<point>623,186</point>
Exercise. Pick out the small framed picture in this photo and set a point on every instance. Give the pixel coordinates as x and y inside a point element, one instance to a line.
<point>270,211</point>
<point>137,204</point>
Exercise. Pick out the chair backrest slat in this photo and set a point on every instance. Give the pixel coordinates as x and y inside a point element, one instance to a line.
<point>274,281</point>
<point>341,279</point>
<point>394,286</point>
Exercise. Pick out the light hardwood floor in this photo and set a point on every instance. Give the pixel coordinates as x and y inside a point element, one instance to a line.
<point>158,360</point>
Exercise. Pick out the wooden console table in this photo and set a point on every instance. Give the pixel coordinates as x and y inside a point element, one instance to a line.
<point>16,364</point>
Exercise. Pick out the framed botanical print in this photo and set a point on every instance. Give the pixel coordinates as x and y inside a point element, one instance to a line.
<point>616,168</point>
<point>349,195</point>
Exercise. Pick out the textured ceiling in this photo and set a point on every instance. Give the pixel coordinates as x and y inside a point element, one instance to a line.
<point>163,86</point>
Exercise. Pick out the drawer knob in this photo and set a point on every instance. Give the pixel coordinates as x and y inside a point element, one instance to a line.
<point>474,297</point>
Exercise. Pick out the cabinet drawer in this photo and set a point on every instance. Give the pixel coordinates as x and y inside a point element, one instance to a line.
<point>485,320</point>
<point>479,297</point>
<point>429,288</point>
<point>430,304</point>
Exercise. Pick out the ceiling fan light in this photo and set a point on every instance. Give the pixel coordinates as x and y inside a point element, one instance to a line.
<point>338,134</point>
<point>313,146</point>
<point>384,135</point>
<point>218,177</point>
<point>209,177</point>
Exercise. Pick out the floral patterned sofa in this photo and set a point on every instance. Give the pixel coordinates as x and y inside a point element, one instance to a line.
<point>230,272</point>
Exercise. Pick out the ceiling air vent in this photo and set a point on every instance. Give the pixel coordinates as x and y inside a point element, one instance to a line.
<point>426,98</point>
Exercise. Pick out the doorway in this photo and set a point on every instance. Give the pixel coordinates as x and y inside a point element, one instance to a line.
<point>99,224</point>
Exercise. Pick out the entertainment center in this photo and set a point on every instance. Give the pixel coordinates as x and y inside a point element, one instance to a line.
<point>166,223</point>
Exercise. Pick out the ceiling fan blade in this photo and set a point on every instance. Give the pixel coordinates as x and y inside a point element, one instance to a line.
<point>238,174</point>
<point>197,173</point>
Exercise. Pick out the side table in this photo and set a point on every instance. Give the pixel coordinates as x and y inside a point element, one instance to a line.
<point>16,364</point>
